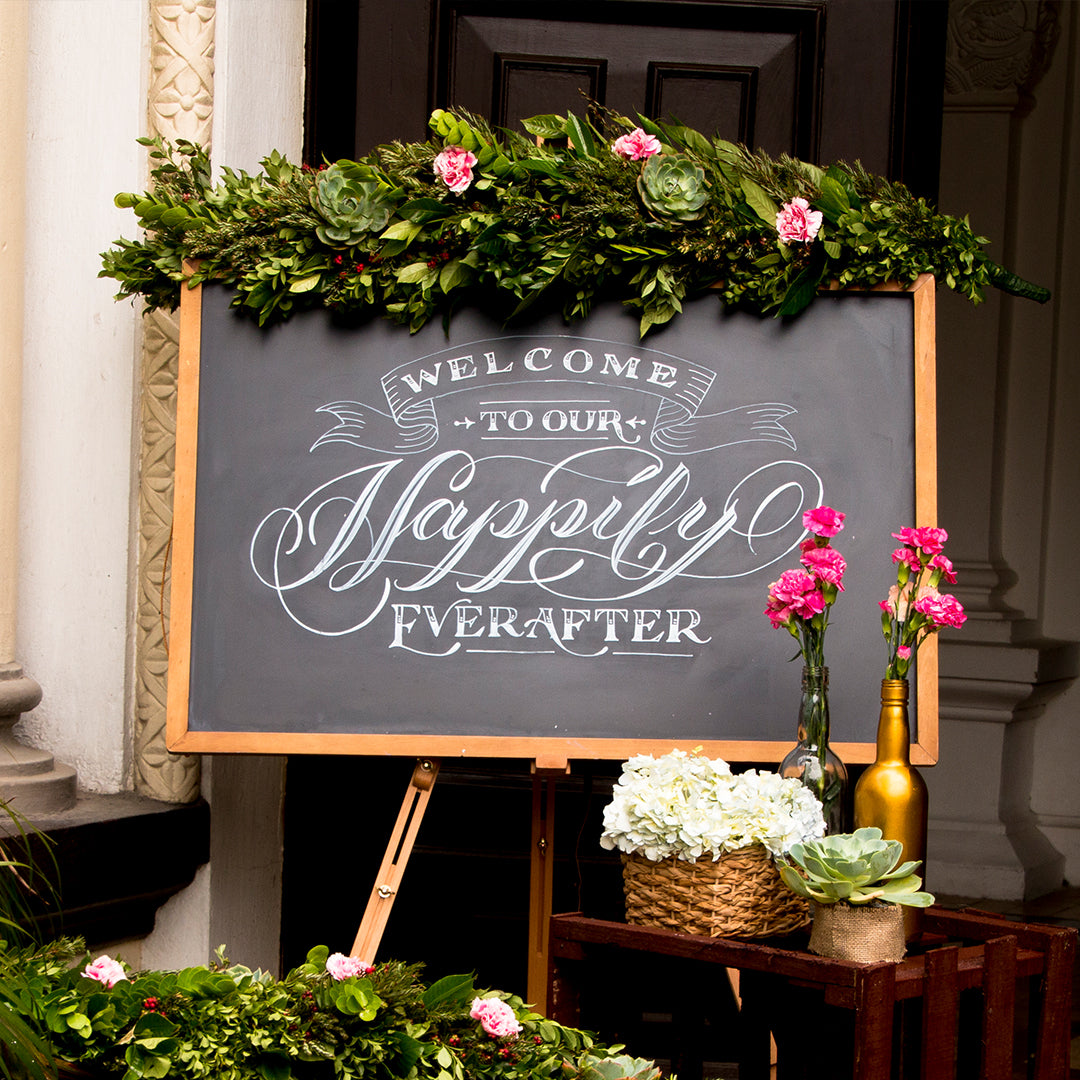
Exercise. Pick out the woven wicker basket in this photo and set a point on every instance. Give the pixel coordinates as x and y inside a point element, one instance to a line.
<point>739,895</point>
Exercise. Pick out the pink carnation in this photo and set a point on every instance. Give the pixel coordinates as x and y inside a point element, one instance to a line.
<point>908,557</point>
<point>105,970</point>
<point>341,966</point>
<point>826,564</point>
<point>496,1017</point>
<point>636,146</point>
<point>823,521</point>
<point>940,608</point>
<point>903,652</point>
<point>897,603</point>
<point>944,564</point>
<point>927,539</point>
<point>796,222</point>
<point>454,167</point>
<point>798,592</point>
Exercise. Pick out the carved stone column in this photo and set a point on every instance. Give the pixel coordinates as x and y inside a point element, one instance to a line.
<point>994,391</point>
<point>180,107</point>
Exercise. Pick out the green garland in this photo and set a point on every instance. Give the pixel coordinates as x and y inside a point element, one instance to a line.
<point>559,222</point>
<point>227,1022</point>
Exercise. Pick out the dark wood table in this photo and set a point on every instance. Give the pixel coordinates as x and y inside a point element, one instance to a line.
<point>993,963</point>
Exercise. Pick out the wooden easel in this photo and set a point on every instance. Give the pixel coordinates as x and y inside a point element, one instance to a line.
<point>388,880</point>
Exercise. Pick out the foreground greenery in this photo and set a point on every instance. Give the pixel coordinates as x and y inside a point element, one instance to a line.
<point>229,1022</point>
<point>557,219</point>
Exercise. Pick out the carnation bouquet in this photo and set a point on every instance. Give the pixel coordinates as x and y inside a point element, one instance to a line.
<point>691,807</point>
<point>915,608</point>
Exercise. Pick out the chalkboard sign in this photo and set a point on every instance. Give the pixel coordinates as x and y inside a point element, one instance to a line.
<point>542,541</point>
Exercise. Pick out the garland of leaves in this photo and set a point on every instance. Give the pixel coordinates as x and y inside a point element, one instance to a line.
<point>418,229</point>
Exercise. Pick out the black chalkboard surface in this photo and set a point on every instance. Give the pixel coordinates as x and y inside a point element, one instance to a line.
<point>537,541</point>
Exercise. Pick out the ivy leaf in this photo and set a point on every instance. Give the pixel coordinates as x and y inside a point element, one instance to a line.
<point>758,200</point>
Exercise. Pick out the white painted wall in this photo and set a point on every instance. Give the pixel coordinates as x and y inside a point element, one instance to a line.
<point>79,379</point>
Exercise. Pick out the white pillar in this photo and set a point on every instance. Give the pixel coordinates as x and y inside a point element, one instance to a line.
<point>29,779</point>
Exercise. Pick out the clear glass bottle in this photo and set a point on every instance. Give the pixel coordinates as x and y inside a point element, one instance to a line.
<point>812,760</point>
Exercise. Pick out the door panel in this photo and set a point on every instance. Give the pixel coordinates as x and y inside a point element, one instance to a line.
<point>822,79</point>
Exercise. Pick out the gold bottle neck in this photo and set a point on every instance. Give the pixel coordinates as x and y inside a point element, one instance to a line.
<point>893,737</point>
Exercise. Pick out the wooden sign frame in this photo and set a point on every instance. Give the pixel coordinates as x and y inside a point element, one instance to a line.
<point>547,752</point>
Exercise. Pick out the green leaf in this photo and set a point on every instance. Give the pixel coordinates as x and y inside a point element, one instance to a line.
<point>450,990</point>
<point>832,248</point>
<point>453,274</point>
<point>545,126</point>
<point>801,293</point>
<point>414,272</point>
<point>580,136</point>
<point>540,165</point>
<point>402,230</point>
<point>833,200</point>
<point>422,210</point>
<point>305,284</point>
<point>758,200</point>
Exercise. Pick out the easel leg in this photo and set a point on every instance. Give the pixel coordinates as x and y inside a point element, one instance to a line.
<point>395,860</point>
<point>542,865</point>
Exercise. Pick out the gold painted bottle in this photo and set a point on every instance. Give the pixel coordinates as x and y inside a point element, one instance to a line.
<point>890,793</point>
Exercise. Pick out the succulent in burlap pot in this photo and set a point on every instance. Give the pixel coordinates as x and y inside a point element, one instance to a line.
<point>858,888</point>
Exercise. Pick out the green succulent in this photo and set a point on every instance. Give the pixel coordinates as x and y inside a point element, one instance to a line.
<point>672,187</point>
<point>352,208</point>
<point>855,868</point>
<point>620,1067</point>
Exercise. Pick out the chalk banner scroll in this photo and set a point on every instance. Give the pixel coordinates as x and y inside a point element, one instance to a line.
<point>539,540</point>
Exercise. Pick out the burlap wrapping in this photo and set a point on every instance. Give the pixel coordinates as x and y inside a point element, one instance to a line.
<point>739,895</point>
<point>867,933</point>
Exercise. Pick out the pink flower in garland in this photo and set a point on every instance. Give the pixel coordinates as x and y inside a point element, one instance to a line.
<point>105,970</point>
<point>636,146</point>
<point>454,168</point>
<point>341,966</point>
<point>797,223</point>
<point>496,1017</point>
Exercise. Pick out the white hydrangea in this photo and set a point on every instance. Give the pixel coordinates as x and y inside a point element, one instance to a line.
<point>691,807</point>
